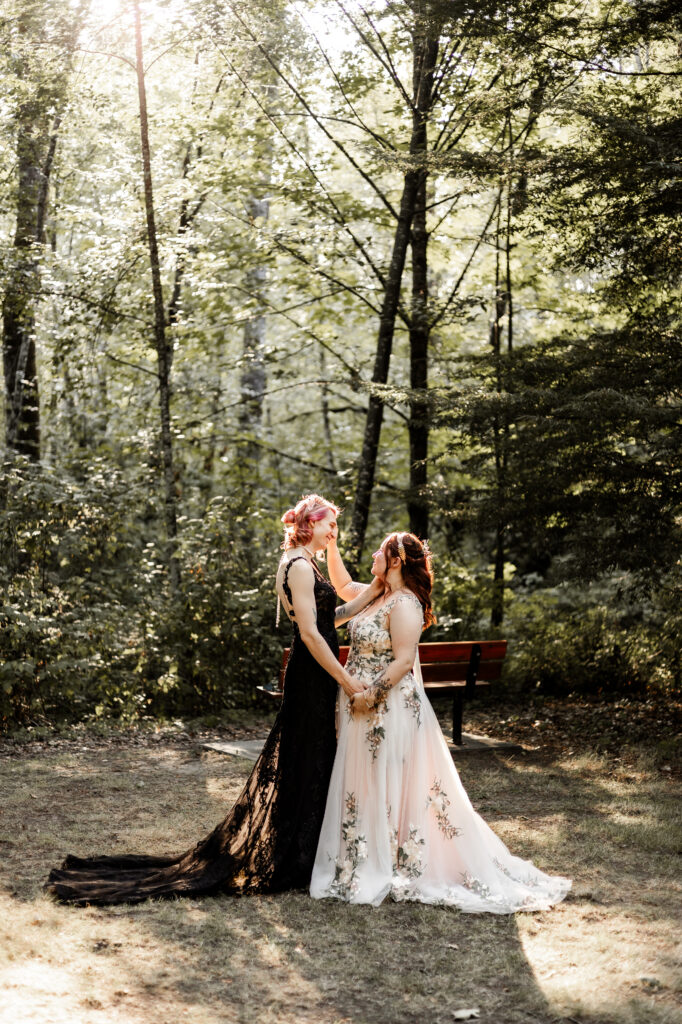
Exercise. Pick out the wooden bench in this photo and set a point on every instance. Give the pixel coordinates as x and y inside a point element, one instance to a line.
<point>450,669</point>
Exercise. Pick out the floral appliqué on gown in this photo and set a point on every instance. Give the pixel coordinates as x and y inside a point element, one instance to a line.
<point>398,822</point>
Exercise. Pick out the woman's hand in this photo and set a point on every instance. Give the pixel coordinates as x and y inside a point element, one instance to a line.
<point>350,685</point>
<point>361,702</point>
<point>367,592</point>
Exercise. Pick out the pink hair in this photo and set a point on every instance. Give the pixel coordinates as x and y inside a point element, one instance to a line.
<point>310,509</point>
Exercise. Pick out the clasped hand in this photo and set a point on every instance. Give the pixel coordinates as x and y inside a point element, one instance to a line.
<point>356,693</point>
<point>361,702</point>
<point>351,686</point>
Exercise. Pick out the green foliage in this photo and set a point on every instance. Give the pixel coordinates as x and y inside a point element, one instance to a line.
<point>568,446</point>
<point>69,608</point>
<point>278,148</point>
<point>611,637</point>
<point>601,641</point>
<point>220,643</point>
<point>86,624</point>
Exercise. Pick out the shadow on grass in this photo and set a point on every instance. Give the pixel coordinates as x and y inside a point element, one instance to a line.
<point>288,958</point>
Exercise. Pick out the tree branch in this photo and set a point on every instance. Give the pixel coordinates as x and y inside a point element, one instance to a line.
<point>441,313</point>
<point>339,218</point>
<point>318,121</point>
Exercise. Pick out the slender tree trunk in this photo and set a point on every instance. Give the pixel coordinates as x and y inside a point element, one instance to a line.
<point>418,425</point>
<point>424,60</point>
<point>35,154</point>
<point>517,198</point>
<point>497,602</point>
<point>173,311</point>
<point>162,353</point>
<point>208,464</point>
<point>326,419</point>
<point>253,347</point>
<point>188,211</point>
<point>253,377</point>
<point>252,386</point>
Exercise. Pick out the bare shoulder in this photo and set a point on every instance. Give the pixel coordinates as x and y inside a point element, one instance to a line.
<point>405,604</point>
<point>299,569</point>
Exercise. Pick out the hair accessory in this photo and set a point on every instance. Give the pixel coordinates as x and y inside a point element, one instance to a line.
<point>426,549</point>
<point>401,547</point>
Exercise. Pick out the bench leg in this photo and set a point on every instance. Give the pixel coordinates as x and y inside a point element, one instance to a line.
<point>457,704</point>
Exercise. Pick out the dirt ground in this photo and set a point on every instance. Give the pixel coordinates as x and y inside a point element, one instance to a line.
<point>605,955</point>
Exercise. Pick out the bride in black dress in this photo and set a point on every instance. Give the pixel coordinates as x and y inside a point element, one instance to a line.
<point>268,840</point>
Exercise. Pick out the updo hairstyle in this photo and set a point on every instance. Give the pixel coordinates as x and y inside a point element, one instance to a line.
<point>297,521</point>
<point>416,567</point>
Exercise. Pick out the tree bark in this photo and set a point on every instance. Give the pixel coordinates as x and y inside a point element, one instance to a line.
<point>425,52</point>
<point>499,436</point>
<point>326,418</point>
<point>35,153</point>
<point>38,121</point>
<point>162,353</point>
<point>418,425</point>
<point>517,198</point>
<point>253,347</point>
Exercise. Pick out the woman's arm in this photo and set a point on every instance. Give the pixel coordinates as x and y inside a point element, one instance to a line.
<point>342,581</point>
<point>405,626</point>
<point>301,581</point>
<point>369,592</point>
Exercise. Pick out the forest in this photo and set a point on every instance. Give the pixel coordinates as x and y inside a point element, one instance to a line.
<point>420,256</point>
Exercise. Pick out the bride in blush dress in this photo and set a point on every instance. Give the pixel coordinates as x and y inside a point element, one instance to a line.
<point>398,821</point>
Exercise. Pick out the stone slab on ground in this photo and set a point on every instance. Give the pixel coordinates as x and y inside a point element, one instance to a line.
<point>481,744</point>
<point>250,749</point>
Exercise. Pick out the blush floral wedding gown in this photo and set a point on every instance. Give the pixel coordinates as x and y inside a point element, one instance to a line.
<point>398,821</point>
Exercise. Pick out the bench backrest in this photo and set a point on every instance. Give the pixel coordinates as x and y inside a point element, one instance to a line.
<point>447,661</point>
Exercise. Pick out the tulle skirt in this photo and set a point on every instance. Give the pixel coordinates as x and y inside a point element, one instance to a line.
<point>398,822</point>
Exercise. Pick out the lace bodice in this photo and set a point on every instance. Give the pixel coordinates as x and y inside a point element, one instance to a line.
<point>371,648</point>
<point>325,601</point>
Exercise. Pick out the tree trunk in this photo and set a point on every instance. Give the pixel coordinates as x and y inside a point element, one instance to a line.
<point>35,154</point>
<point>425,52</point>
<point>418,425</point>
<point>253,377</point>
<point>326,418</point>
<point>517,198</point>
<point>38,120</point>
<point>162,353</point>
<point>498,597</point>
<point>253,348</point>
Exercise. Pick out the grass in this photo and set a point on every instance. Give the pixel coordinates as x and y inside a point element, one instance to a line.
<point>606,955</point>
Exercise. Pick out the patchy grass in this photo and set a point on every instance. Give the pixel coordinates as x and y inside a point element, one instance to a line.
<point>605,955</point>
<point>615,726</point>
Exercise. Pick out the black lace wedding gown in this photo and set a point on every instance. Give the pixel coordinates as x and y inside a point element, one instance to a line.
<point>268,840</point>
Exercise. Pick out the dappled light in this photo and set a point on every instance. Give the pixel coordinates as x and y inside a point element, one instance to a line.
<point>213,303</point>
<point>422,259</point>
<point>291,957</point>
